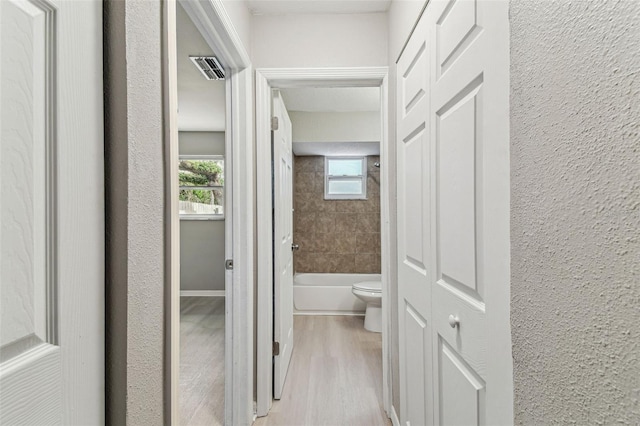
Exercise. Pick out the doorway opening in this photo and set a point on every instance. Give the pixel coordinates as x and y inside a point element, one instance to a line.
<point>333,215</point>
<point>204,227</point>
<point>210,209</point>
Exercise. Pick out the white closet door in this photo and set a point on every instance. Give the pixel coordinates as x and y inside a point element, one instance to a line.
<point>51,213</point>
<point>414,251</point>
<point>467,187</point>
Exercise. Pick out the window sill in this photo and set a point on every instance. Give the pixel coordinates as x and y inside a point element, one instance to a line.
<point>201,217</point>
<point>346,198</point>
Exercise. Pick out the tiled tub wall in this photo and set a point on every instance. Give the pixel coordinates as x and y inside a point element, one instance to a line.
<point>338,236</point>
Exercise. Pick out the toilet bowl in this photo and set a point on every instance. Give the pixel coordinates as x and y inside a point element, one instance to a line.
<point>370,292</point>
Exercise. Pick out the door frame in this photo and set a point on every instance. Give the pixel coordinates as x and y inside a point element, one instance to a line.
<point>213,22</point>
<point>281,78</point>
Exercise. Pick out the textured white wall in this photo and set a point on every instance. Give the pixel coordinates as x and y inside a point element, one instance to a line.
<point>349,40</point>
<point>575,156</point>
<point>135,212</point>
<point>135,206</point>
<point>202,241</point>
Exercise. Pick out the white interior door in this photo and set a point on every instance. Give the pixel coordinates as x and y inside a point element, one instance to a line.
<point>51,213</point>
<point>467,187</point>
<point>283,241</point>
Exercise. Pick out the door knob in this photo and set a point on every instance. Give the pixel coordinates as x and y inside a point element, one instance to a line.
<point>454,321</point>
<point>295,247</point>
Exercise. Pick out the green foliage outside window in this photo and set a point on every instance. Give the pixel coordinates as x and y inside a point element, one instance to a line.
<point>201,173</point>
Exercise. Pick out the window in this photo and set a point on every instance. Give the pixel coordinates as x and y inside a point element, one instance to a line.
<point>345,178</point>
<point>201,186</point>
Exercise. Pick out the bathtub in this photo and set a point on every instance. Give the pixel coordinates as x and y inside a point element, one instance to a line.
<point>328,294</point>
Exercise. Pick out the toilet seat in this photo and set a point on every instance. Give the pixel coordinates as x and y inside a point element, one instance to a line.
<point>369,286</point>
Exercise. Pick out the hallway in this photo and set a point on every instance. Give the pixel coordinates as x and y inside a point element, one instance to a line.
<point>335,376</point>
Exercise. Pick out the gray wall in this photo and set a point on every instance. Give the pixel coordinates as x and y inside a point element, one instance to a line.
<point>201,241</point>
<point>135,228</point>
<point>575,158</point>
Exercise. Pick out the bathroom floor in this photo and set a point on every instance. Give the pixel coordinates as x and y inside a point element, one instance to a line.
<point>201,361</point>
<point>335,376</point>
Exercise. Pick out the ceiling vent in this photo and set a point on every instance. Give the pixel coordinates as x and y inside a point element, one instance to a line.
<point>209,66</point>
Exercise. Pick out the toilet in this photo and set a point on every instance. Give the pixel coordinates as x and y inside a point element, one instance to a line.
<point>370,292</point>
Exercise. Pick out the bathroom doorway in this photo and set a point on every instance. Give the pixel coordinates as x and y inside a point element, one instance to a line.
<point>340,241</point>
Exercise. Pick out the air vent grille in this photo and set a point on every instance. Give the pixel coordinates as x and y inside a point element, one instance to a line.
<point>209,66</point>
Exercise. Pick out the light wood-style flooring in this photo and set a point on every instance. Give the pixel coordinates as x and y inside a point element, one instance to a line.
<point>335,376</point>
<point>201,361</point>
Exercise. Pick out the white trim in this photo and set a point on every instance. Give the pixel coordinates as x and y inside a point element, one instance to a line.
<point>172,217</point>
<point>213,22</point>
<point>264,292</point>
<point>202,293</point>
<point>385,224</point>
<point>330,313</point>
<point>395,420</point>
<point>266,79</point>
<point>209,217</point>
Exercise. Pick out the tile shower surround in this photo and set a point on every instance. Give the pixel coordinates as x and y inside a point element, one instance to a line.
<point>338,236</point>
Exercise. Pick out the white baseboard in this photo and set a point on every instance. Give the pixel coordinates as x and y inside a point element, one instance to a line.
<point>202,293</point>
<point>330,313</point>
<point>394,417</point>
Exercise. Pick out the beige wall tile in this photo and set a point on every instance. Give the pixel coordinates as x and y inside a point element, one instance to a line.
<point>303,202</point>
<point>373,184</point>
<point>304,182</point>
<point>325,262</point>
<point>368,223</point>
<point>346,222</point>
<point>305,164</point>
<point>305,222</point>
<point>324,243</point>
<point>368,263</point>
<point>368,243</point>
<point>326,223</point>
<point>346,264</point>
<point>323,205</point>
<point>372,204</point>
<point>318,183</point>
<point>344,243</point>
<point>306,241</point>
<point>304,262</point>
<point>337,236</point>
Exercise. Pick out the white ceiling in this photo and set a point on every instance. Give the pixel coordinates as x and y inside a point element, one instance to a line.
<point>298,7</point>
<point>201,102</point>
<point>335,99</point>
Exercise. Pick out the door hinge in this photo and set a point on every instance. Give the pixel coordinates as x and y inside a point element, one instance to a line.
<point>228,264</point>
<point>276,348</point>
<point>274,123</point>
